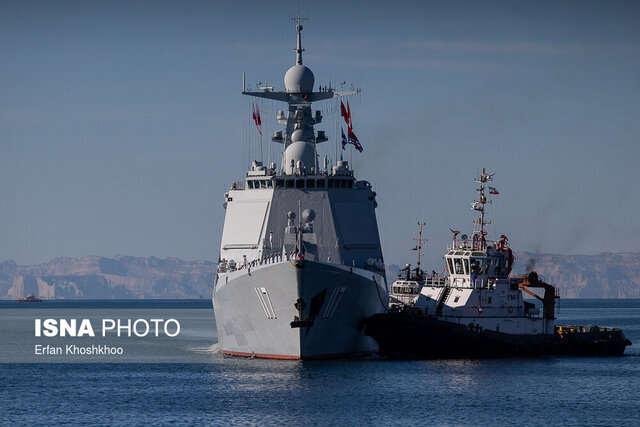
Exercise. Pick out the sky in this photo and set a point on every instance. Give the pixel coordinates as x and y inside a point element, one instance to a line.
<point>122,123</point>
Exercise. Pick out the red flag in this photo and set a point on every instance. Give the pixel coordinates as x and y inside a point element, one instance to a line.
<point>349,112</point>
<point>343,113</point>
<point>256,118</point>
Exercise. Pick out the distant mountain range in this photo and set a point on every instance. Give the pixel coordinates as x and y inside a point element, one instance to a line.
<point>606,275</point>
<point>99,277</point>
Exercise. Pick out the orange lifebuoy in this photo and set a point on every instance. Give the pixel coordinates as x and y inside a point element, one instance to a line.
<point>480,309</point>
<point>300,256</point>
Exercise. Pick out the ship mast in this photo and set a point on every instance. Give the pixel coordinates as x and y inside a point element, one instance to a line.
<point>479,205</point>
<point>298,50</point>
<point>419,247</point>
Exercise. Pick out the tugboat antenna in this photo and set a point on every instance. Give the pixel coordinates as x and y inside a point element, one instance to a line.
<point>478,205</point>
<point>420,240</point>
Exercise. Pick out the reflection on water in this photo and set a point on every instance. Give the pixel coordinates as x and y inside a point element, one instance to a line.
<point>229,390</point>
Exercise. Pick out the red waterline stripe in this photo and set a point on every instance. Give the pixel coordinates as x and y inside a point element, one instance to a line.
<point>288,357</point>
<point>261,356</point>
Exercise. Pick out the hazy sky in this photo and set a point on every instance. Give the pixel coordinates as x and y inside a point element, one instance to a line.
<point>122,122</point>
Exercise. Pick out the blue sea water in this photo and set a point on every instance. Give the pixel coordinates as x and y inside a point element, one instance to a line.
<point>229,391</point>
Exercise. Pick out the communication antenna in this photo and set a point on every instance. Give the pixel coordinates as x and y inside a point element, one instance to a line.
<point>420,240</point>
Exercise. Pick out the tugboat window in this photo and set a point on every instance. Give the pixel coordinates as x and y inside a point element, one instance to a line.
<point>279,183</point>
<point>300,183</point>
<point>458,263</point>
<point>311,183</point>
<point>289,183</point>
<point>330,183</point>
<point>321,183</point>
<point>450,265</point>
<point>466,265</point>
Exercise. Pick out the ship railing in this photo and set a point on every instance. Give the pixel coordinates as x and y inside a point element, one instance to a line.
<point>572,329</point>
<point>436,281</point>
<point>483,283</point>
<point>225,266</point>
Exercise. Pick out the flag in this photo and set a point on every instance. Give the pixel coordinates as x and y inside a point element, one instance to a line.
<point>493,190</point>
<point>345,114</point>
<point>344,138</point>
<point>353,139</point>
<point>349,113</point>
<point>256,117</point>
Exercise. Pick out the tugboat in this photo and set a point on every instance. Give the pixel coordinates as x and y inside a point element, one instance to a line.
<point>476,310</point>
<point>405,291</point>
<point>29,298</point>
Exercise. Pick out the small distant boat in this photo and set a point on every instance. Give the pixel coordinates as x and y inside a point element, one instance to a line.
<point>29,298</point>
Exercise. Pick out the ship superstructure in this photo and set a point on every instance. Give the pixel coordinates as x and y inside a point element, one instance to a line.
<point>300,262</point>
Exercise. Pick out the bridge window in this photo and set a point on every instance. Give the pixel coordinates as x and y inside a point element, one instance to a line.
<point>458,264</point>
<point>466,265</point>
<point>279,183</point>
<point>331,183</point>
<point>475,266</point>
<point>250,183</point>
<point>321,183</point>
<point>299,183</point>
<point>263,184</point>
<point>450,265</point>
<point>311,183</point>
<point>290,183</point>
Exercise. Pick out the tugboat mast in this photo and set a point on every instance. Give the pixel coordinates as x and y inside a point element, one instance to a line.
<point>479,205</point>
<point>419,247</point>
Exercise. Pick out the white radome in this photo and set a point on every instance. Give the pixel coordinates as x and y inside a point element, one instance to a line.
<point>299,78</point>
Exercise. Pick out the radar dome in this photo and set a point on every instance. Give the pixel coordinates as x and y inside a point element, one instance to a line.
<point>298,79</point>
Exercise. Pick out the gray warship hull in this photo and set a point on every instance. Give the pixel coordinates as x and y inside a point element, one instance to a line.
<point>256,314</point>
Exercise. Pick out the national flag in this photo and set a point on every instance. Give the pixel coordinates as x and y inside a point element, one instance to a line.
<point>345,114</point>
<point>256,117</point>
<point>353,139</point>
<point>344,138</point>
<point>493,190</point>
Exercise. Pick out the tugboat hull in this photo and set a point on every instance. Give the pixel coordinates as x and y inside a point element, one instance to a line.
<point>409,336</point>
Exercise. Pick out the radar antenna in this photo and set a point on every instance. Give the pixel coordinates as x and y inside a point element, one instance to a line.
<point>299,20</point>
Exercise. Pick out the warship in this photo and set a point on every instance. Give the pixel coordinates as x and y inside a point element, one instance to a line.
<point>300,264</point>
<point>477,309</point>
